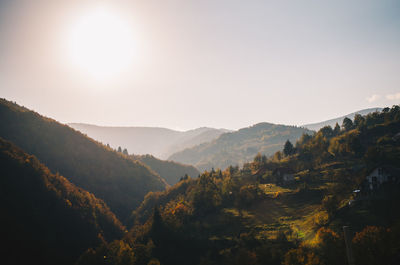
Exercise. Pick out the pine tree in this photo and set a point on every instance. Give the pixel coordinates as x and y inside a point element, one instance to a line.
<point>288,149</point>
<point>347,124</point>
<point>336,130</point>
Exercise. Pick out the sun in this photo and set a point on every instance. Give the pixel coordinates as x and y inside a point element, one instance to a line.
<point>101,43</point>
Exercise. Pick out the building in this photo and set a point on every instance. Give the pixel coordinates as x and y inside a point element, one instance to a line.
<point>284,174</point>
<point>381,175</point>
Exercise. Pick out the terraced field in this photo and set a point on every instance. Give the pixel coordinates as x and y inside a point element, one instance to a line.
<point>284,210</point>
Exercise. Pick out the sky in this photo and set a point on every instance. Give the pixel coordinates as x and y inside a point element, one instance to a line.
<point>187,64</point>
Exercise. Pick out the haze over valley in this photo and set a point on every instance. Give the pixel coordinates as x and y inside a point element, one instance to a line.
<point>206,148</point>
<point>160,142</point>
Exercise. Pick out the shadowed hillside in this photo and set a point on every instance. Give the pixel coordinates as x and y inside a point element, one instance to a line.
<point>240,146</point>
<point>169,170</point>
<point>45,217</point>
<point>113,177</point>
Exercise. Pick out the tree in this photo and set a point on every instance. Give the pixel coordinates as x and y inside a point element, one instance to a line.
<point>125,152</point>
<point>330,204</point>
<point>158,231</point>
<point>277,156</point>
<point>288,149</point>
<point>359,120</point>
<point>347,124</point>
<point>336,130</point>
<point>331,247</point>
<point>259,161</point>
<point>373,246</point>
<point>119,149</point>
<point>327,131</point>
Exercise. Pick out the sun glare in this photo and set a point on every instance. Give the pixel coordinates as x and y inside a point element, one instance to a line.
<point>100,42</point>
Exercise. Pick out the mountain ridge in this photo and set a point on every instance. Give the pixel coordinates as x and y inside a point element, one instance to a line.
<point>157,141</point>
<point>238,147</point>
<point>331,122</point>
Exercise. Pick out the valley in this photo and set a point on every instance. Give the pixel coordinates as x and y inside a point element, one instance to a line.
<point>284,205</point>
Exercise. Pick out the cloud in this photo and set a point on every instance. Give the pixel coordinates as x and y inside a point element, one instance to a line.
<point>393,96</point>
<point>373,98</point>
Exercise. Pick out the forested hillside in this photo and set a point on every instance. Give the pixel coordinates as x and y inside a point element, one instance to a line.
<point>236,148</point>
<point>44,217</point>
<point>257,215</point>
<point>318,125</point>
<point>113,177</point>
<point>171,171</point>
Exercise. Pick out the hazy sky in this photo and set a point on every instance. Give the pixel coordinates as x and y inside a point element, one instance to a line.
<point>206,63</point>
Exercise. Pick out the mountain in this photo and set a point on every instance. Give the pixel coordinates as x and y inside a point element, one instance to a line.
<point>44,217</point>
<point>120,181</point>
<point>253,216</point>
<point>332,122</point>
<point>238,147</point>
<point>160,142</point>
<point>169,170</point>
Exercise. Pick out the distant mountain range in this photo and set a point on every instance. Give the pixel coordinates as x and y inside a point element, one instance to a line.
<point>160,142</point>
<point>332,122</point>
<point>204,147</point>
<point>236,148</point>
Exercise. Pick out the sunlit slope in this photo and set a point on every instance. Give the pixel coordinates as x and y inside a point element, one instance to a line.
<point>113,177</point>
<point>332,122</point>
<point>256,214</point>
<point>238,147</point>
<point>44,217</point>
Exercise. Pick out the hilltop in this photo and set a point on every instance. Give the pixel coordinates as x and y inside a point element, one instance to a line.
<point>332,122</point>
<point>238,147</point>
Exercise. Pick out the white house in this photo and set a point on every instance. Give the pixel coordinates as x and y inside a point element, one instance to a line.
<point>381,175</point>
<point>285,174</point>
<point>288,177</point>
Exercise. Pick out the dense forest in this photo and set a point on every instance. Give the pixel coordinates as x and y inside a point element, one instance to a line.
<point>171,171</point>
<point>257,215</point>
<point>236,148</point>
<point>120,181</point>
<point>332,122</point>
<point>44,217</point>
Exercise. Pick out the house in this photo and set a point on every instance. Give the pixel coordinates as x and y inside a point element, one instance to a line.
<point>284,174</point>
<point>396,137</point>
<point>381,175</point>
